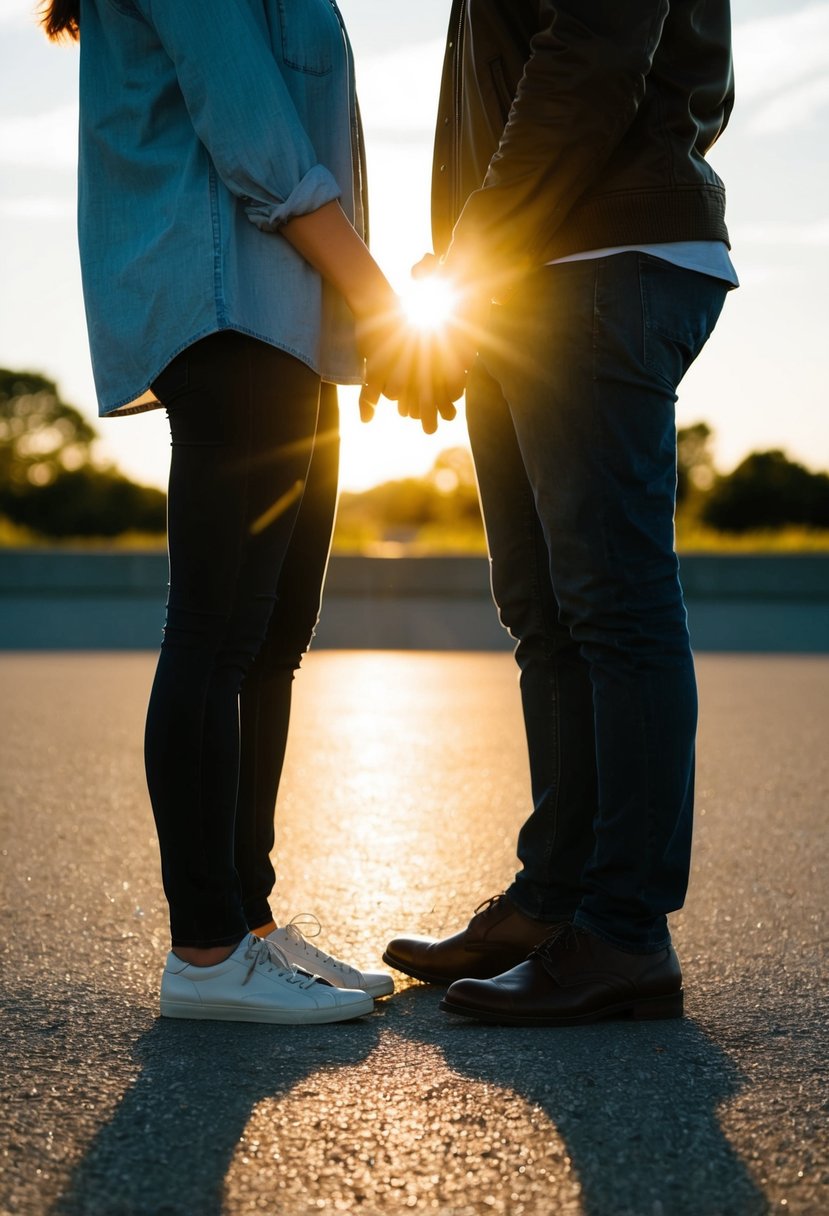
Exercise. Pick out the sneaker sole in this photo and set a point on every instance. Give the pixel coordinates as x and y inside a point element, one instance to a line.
<point>378,989</point>
<point>279,1017</point>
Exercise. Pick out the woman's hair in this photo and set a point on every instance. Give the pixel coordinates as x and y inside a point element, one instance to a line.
<point>61,18</point>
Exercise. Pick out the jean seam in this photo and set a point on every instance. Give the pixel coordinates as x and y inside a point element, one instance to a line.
<point>549,653</point>
<point>598,429</point>
<point>243,513</point>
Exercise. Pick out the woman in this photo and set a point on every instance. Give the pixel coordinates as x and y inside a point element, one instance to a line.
<point>225,279</point>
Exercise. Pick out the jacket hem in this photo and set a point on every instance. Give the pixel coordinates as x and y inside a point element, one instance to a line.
<point>641,217</point>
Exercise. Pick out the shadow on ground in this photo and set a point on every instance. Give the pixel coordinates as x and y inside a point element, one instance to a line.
<point>170,1102</point>
<point>635,1106</point>
<point>405,1110</point>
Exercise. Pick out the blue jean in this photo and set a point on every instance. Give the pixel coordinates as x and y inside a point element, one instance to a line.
<point>571,418</point>
<point>250,513</point>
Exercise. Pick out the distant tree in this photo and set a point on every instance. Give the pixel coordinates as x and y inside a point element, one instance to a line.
<point>695,461</point>
<point>453,476</point>
<point>453,467</point>
<point>445,500</point>
<point>89,502</point>
<point>49,480</point>
<point>40,435</point>
<point>767,490</point>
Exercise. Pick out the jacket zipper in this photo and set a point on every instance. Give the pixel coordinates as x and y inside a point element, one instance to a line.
<point>455,197</point>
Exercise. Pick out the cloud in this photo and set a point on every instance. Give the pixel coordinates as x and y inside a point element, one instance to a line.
<point>781,66</point>
<point>792,110</point>
<point>774,52</point>
<point>21,14</point>
<point>43,208</point>
<point>49,140</point>
<point>814,233</point>
<point>399,89</point>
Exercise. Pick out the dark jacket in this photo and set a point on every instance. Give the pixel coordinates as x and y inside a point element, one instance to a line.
<point>579,125</point>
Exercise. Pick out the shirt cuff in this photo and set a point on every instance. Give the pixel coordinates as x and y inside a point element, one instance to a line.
<point>316,188</point>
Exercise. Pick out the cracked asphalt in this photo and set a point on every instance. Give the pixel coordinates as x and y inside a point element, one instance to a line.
<point>405,784</point>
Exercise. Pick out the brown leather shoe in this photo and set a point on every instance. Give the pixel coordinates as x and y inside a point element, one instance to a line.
<point>571,978</point>
<point>497,937</point>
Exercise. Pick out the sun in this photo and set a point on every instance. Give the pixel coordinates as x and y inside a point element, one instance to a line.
<point>429,303</point>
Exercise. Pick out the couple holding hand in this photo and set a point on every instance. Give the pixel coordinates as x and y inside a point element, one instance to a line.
<point>222,217</point>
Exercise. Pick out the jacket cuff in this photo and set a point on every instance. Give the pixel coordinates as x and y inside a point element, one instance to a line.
<point>316,188</point>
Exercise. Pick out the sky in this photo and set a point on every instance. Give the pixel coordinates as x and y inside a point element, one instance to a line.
<point>759,384</point>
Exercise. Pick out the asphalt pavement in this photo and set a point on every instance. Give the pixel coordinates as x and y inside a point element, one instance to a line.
<point>405,784</point>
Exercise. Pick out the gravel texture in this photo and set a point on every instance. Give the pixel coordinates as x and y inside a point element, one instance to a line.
<point>405,784</point>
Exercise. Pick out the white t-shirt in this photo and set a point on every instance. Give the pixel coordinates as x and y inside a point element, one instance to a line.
<point>707,257</point>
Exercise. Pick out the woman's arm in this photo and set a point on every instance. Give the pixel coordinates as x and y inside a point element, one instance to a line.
<point>399,364</point>
<point>242,111</point>
<point>328,241</point>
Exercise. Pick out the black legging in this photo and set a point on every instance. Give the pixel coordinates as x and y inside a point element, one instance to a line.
<point>249,524</point>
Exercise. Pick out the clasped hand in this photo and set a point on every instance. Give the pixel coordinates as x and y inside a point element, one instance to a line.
<point>422,369</point>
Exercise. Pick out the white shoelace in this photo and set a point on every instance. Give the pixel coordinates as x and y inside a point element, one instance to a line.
<point>300,940</point>
<point>262,953</point>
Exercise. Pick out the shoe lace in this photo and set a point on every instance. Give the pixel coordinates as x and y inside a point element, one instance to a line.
<point>262,953</point>
<point>492,902</point>
<point>300,940</point>
<point>565,933</point>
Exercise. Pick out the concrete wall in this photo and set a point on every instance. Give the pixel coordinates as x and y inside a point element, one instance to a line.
<point>80,600</point>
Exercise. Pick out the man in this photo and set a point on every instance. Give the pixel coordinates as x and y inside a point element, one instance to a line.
<point>570,187</point>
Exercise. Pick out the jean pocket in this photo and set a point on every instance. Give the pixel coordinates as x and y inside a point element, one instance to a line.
<point>311,35</point>
<point>680,308</point>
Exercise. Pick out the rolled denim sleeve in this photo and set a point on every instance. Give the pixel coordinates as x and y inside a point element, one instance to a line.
<point>240,106</point>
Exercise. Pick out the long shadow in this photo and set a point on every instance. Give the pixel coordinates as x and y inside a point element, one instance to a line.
<point>181,1095</point>
<point>169,1146</point>
<point>635,1104</point>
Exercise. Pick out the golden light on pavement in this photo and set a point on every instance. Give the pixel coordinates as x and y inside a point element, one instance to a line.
<point>429,303</point>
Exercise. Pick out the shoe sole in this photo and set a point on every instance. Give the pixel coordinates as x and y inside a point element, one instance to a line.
<point>398,965</point>
<point>646,1009</point>
<point>279,1017</point>
<point>384,989</point>
<point>444,980</point>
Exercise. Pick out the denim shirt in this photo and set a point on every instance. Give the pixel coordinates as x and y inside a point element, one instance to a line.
<point>204,126</point>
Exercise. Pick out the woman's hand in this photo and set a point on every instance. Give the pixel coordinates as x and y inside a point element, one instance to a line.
<point>445,349</point>
<point>406,365</point>
<point>381,341</point>
<point>401,362</point>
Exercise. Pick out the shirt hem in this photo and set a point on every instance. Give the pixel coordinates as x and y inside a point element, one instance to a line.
<point>139,403</point>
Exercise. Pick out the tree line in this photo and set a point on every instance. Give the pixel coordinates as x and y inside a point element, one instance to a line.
<point>51,484</point>
<point>52,487</point>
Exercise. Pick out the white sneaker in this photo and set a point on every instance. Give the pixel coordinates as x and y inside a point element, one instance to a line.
<point>256,983</point>
<point>297,949</point>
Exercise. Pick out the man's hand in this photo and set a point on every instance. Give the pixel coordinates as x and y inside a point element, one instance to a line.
<point>444,355</point>
<point>433,383</point>
<point>398,362</point>
<point>404,363</point>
